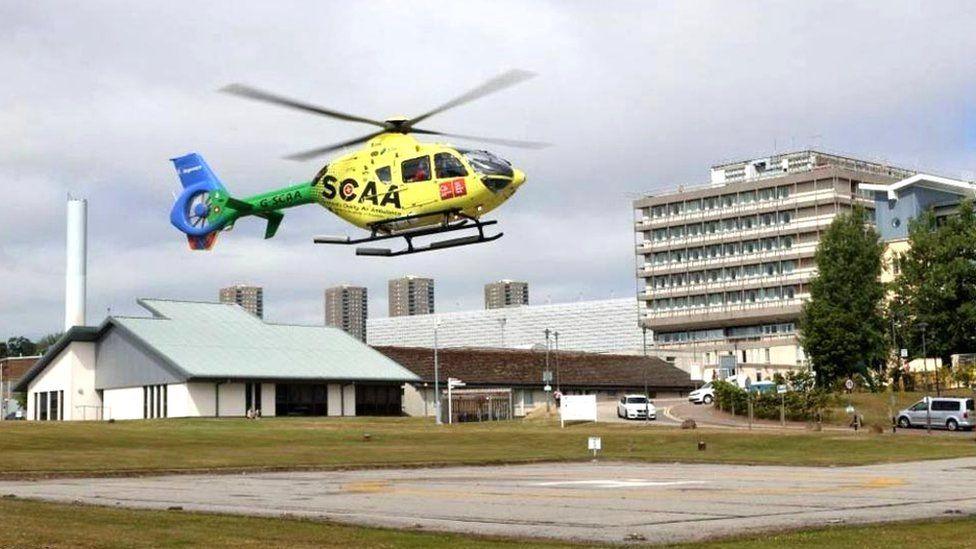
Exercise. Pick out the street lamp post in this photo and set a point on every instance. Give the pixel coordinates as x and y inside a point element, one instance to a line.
<point>437,387</point>
<point>925,367</point>
<point>647,407</point>
<point>556,359</point>
<point>547,372</point>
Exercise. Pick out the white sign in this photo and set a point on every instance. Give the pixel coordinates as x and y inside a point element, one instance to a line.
<point>781,389</point>
<point>547,388</point>
<point>904,353</point>
<point>849,409</point>
<point>577,408</point>
<point>849,384</point>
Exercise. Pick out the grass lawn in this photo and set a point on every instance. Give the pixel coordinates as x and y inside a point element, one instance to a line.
<point>34,524</point>
<point>146,446</point>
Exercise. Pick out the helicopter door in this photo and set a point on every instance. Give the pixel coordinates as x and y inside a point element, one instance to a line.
<point>450,174</point>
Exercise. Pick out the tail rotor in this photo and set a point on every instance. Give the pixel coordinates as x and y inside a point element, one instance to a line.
<point>197,212</point>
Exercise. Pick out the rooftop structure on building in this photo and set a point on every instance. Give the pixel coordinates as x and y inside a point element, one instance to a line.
<point>725,267</point>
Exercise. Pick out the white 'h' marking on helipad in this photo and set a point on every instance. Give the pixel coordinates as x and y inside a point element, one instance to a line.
<point>629,483</point>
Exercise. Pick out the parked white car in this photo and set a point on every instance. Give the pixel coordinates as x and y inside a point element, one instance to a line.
<point>636,407</point>
<point>702,395</point>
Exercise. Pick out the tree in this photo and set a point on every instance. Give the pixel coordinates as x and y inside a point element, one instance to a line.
<point>842,326</point>
<point>936,285</point>
<point>47,341</point>
<point>20,346</point>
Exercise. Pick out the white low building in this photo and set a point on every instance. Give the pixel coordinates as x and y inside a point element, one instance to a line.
<point>209,359</point>
<point>601,326</point>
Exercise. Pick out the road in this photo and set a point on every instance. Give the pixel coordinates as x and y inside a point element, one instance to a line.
<point>607,412</point>
<point>605,502</point>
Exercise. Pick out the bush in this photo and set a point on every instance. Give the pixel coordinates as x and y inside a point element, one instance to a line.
<point>801,405</point>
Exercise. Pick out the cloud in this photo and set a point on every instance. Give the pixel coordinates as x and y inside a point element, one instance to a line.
<point>638,97</point>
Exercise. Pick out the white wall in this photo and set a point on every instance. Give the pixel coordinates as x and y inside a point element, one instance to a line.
<point>126,403</point>
<point>418,401</point>
<point>72,371</point>
<point>349,399</point>
<point>200,399</point>
<point>232,403</point>
<point>334,399</point>
<point>267,399</point>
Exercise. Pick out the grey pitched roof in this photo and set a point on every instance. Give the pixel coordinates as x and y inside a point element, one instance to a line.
<point>220,340</point>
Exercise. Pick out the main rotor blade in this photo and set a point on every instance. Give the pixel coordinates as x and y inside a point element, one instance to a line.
<point>312,153</point>
<point>497,83</point>
<point>494,140</point>
<point>248,92</point>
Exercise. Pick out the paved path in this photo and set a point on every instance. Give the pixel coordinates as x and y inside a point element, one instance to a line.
<point>607,412</point>
<point>578,501</point>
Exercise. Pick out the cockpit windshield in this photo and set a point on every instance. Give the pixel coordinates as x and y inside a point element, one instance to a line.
<point>486,163</point>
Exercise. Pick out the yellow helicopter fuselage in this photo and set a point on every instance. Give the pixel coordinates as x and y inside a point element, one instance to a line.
<point>395,176</point>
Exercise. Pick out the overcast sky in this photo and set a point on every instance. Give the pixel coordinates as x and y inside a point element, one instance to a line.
<point>635,97</point>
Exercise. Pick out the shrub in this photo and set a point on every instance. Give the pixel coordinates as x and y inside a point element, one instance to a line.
<point>801,405</point>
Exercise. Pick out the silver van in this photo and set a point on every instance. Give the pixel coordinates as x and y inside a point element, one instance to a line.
<point>950,413</point>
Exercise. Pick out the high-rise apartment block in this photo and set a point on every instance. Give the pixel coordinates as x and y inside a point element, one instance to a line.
<point>411,295</point>
<point>724,268</point>
<point>249,297</point>
<point>506,293</point>
<point>346,309</point>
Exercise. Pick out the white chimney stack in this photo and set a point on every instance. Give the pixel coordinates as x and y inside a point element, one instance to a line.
<point>77,256</point>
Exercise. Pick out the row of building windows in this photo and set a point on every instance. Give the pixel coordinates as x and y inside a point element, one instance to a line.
<point>756,295</point>
<point>729,249</point>
<point>754,270</point>
<point>154,403</point>
<point>49,406</point>
<point>716,202</point>
<point>732,224</point>
<point>738,332</point>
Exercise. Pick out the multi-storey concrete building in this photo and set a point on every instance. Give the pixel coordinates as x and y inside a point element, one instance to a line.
<point>249,297</point>
<point>411,295</point>
<point>724,268</point>
<point>346,309</point>
<point>506,293</point>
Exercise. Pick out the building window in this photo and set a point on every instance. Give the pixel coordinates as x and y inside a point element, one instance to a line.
<point>252,398</point>
<point>154,403</point>
<point>43,415</point>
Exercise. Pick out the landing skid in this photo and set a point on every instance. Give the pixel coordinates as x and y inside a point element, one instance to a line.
<point>452,220</point>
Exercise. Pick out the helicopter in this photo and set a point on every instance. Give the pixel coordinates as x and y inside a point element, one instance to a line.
<point>394,186</point>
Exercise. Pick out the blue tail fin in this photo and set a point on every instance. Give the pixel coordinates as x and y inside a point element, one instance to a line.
<point>193,169</point>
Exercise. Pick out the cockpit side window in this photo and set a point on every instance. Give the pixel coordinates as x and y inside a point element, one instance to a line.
<point>448,165</point>
<point>416,169</point>
<point>383,174</point>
